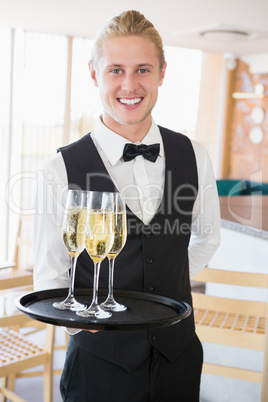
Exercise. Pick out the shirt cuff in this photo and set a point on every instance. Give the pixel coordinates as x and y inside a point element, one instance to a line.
<point>72,331</point>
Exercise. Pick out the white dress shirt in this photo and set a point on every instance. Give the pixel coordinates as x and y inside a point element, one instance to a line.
<point>141,182</point>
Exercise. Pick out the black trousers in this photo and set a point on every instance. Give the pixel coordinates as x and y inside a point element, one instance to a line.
<point>87,378</point>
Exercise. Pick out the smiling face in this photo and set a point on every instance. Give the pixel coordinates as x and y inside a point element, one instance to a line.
<point>128,75</point>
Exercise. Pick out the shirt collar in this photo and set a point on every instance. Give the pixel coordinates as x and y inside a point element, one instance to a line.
<point>113,144</point>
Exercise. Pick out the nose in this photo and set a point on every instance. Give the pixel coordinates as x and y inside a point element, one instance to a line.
<point>129,83</point>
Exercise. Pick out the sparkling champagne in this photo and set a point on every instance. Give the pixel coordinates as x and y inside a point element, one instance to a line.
<point>120,234</point>
<point>74,231</point>
<point>100,236</point>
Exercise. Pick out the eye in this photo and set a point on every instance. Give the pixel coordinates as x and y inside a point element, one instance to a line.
<point>116,70</point>
<point>143,70</point>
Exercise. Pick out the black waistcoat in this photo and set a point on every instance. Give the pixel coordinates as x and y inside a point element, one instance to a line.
<point>155,257</point>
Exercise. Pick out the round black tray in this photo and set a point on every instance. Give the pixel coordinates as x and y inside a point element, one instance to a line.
<point>144,310</point>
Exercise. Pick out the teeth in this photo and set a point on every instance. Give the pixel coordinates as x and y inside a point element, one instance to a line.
<point>130,101</point>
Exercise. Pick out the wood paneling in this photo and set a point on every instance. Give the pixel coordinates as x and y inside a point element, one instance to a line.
<point>245,157</point>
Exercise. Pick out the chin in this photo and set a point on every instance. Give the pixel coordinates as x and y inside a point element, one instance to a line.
<point>132,119</point>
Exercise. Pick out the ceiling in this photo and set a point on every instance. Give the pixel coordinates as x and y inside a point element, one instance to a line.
<point>179,22</point>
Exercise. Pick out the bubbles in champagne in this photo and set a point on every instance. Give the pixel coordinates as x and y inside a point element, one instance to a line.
<point>74,231</point>
<point>100,236</point>
<point>120,233</point>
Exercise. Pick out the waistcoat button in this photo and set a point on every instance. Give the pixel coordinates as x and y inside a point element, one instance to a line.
<point>149,260</point>
<point>148,235</point>
<point>154,338</point>
<point>150,288</point>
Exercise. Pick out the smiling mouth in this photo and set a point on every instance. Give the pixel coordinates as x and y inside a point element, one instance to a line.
<point>130,102</point>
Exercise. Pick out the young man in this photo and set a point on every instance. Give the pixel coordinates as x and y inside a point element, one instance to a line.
<point>173,224</point>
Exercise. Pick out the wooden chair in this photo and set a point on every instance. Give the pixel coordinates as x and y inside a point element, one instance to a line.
<point>14,275</point>
<point>239,323</point>
<point>18,353</point>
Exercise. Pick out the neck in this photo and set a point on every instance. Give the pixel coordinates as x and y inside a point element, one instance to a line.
<point>131,132</point>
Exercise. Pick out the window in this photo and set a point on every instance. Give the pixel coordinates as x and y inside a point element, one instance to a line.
<point>177,106</point>
<point>85,100</point>
<point>5,74</point>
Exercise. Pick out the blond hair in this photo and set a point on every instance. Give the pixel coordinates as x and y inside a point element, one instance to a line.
<point>126,24</point>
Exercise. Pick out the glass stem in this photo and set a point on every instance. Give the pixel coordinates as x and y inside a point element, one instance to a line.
<point>111,279</point>
<point>96,282</point>
<point>72,276</point>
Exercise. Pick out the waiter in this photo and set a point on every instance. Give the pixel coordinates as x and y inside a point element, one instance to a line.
<point>173,224</point>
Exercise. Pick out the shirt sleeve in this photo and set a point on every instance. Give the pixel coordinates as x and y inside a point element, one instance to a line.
<point>51,259</point>
<point>205,236</point>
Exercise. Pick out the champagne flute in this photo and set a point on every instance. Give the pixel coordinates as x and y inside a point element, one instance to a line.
<point>120,236</point>
<point>73,233</point>
<point>99,239</point>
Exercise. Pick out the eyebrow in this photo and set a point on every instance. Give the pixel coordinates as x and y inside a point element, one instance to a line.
<point>114,65</point>
<point>122,65</point>
<point>145,65</point>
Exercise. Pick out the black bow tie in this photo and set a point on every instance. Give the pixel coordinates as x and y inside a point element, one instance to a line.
<point>149,152</point>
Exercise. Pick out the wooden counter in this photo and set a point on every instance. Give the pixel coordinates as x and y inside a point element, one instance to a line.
<point>248,210</point>
<point>13,278</point>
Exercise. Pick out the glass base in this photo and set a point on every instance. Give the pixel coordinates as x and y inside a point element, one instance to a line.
<point>94,311</point>
<point>71,305</point>
<point>112,305</point>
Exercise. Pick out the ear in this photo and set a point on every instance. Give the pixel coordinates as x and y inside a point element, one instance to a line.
<point>162,74</point>
<point>93,73</point>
